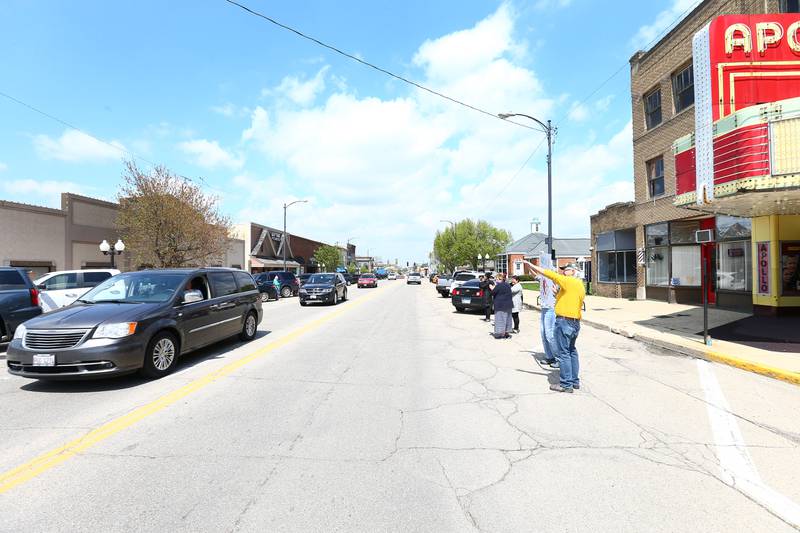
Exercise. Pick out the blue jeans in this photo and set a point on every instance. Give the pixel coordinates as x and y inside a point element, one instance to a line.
<point>547,325</point>
<point>567,330</point>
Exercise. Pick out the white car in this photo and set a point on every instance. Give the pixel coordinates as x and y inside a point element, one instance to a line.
<point>391,275</point>
<point>60,289</point>
<point>414,277</point>
<point>462,277</point>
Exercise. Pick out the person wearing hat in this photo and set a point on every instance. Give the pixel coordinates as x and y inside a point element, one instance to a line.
<point>569,302</point>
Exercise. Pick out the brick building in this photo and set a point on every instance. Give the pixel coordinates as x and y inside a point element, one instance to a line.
<point>648,248</point>
<point>530,248</point>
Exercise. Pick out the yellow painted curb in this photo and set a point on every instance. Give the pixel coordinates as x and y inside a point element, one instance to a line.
<point>752,366</point>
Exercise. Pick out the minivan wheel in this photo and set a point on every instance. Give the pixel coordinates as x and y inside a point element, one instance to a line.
<point>286,292</point>
<point>160,356</point>
<point>335,297</point>
<point>344,295</point>
<point>249,327</point>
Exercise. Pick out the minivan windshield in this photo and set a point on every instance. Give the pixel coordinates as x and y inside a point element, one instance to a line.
<point>321,278</point>
<point>136,287</point>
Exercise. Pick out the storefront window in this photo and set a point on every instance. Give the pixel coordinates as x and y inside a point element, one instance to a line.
<point>683,232</point>
<point>733,266</point>
<point>658,265</point>
<point>790,268</point>
<point>657,234</point>
<point>733,228</point>
<point>686,270</point>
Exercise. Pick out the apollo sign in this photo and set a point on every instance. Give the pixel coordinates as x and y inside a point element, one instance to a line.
<point>740,61</point>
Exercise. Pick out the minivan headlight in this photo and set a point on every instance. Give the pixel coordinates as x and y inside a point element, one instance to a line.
<point>20,331</point>
<point>115,331</point>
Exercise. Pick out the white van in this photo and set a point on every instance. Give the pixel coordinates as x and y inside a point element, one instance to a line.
<point>60,289</point>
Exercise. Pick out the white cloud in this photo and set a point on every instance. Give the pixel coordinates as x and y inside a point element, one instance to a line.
<point>387,170</point>
<point>39,192</point>
<point>603,104</point>
<point>209,154</point>
<point>230,110</point>
<point>3,166</point>
<point>74,146</point>
<point>300,92</point>
<point>549,4</point>
<point>578,112</point>
<point>664,21</point>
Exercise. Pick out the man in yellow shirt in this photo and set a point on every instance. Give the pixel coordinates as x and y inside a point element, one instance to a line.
<point>569,302</point>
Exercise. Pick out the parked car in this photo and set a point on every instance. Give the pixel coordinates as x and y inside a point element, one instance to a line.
<point>367,280</point>
<point>290,285</point>
<point>460,277</point>
<point>325,288</point>
<point>443,285</point>
<point>19,300</point>
<point>469,296</point>
<point>414,277</point>
<point>391,276</point>
<point>266,289</point>
<point>350,278</point>
<point>137,321</point>
<point>60,289</point>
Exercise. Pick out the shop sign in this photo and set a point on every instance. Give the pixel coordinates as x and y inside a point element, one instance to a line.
<point>790,268</point>
<point>762,256</point>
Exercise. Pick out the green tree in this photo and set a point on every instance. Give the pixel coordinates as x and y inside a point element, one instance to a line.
<point>460,244</point>
<point>352,268</point>
<point>167,221</point>
<point>330,256</point>
<point>364,269</point>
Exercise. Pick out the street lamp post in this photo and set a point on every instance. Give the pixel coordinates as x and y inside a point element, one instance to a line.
<point>114,251</point>
<point>485,257</point>
<point>285,240</point>
<point>548,129</point>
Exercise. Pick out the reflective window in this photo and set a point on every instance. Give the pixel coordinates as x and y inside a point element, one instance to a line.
<point>657,234</point>
<point>61,282</point>
<point>686,269</point>
<point>90,279</point>
<point>683,231</point>
<point>658,266</point>
<point>245,281</point>
<point>655,177</point>
<point>734,266</point>
<point>222,284</point>
<point>683,88</point>
<point>733,228</point>
<point>652,109</point>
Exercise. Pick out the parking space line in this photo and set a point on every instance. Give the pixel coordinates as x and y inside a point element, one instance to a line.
<point>738,469</point>
<point>51,459</point>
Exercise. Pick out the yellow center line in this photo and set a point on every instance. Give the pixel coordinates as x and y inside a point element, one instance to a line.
<point>53,458</point>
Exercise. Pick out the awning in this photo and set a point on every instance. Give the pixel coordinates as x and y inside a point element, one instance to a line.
<point>257,262</point>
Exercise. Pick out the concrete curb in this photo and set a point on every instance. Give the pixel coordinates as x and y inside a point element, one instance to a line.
<point>698,353</point>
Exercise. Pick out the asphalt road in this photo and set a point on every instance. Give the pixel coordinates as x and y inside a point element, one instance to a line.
<point>390,412</point>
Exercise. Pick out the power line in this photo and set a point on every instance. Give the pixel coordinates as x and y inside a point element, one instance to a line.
<point>663,32</point>
<point>516,174</point>
<point>124,151</point>
<point>371,65</point>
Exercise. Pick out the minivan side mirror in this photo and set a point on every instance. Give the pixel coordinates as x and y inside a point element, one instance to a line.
<point>192,296</point>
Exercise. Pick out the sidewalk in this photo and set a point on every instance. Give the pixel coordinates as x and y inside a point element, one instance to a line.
<point>675,327</point>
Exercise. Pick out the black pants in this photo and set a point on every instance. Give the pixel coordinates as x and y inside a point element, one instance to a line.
<point>515,317</point>
<point>488,312</point>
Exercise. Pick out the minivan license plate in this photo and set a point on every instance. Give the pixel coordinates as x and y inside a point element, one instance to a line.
<point>44,360</point>
<point>466,301</point>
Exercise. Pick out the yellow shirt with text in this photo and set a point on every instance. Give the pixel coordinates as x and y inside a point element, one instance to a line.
<point>569,299</point>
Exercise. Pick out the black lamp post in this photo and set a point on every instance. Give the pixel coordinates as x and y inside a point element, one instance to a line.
<point>114,251</point>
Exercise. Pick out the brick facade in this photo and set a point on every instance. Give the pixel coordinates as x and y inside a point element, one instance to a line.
<point>615,216</point>
<point>652,70</point>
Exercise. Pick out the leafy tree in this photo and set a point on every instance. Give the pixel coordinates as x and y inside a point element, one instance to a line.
<point>352,268</point>
<point>460,244</point>
<point>167,221</point>
<point>364,269</point>
<point>330,256</point>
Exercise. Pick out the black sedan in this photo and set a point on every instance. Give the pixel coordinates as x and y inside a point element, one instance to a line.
<point>470,296</point>
<point>137,321</point>
<point>324,288</point>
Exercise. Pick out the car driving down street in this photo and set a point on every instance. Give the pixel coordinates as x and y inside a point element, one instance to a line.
<point>323,288</point>
<point>137,321</point>
<point>367,280</point>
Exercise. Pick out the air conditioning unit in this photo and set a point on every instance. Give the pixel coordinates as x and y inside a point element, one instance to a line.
<point>704,235</point>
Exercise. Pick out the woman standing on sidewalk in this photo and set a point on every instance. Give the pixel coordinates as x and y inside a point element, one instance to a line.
<point>569,302</point>
<point>516,301</point>
<point>503,305</point>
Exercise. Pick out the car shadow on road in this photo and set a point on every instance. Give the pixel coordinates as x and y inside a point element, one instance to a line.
<point>96,384</point>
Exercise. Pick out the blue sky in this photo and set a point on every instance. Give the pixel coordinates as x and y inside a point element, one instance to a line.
<point>265,117</point>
